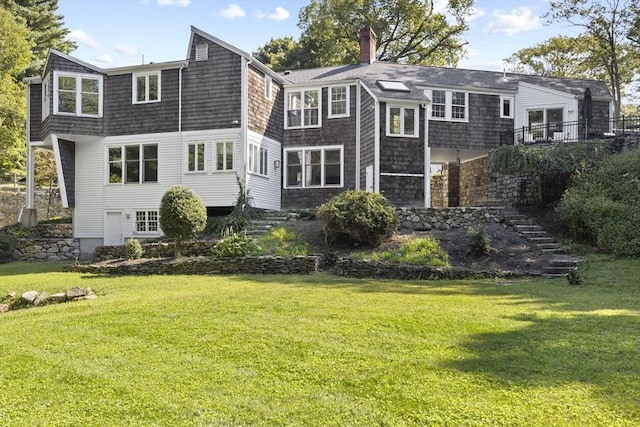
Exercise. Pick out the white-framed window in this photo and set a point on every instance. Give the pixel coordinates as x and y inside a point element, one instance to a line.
<point>223,155</point>
<point>402,121</point>
<point>303,108</point>
<point>146,87</point>
<point>314,167</point>
<point>77,94</point>
<point>449,105</point>
<point>147,222</point>
<point>196,157</point>
<point>338,101</point>
<point>132,164</point>
<point>258,159</point>
<point>506,107</point>
<point>268,87</point>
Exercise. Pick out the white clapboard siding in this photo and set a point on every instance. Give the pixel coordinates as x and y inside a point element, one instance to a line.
<point>265,191</point>
<point>531,97</point>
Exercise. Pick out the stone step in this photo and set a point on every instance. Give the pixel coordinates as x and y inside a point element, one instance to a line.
<point>553,276</point>
<point>559,270</point>
<point>534,234</point>
<point>552,245</point>
<point>523,221</point>
<point>553,251</point>
<point>541,240</point>
<point>511,217</point>
<point>564,262</point>
<point>523,228</point>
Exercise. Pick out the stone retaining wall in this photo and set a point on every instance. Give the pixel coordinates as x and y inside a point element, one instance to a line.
<point>158,250</point>
<point>447,218</point>
<point>513,190</point>
<point>202,265</point>
<point>53,230</point>
<point>46,250</point>
<point>12,199</point>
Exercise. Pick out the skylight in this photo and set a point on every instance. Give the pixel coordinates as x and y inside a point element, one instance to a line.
<point>395,86</point>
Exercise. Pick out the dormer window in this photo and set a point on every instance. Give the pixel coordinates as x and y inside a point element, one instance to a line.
<point>146,87</point>
<point>77,94</point>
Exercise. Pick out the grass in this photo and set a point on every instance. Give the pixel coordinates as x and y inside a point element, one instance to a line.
<point>416,250</point>
<point>321,350</point>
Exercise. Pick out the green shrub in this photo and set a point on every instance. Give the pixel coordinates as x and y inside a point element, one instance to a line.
<point>602,205</point>
<point>359,216</point>
<point>417,251</point>
<point>479,242</point>
<point>182,215</point>
<point>133,249</point>
<point>236,245</point>
<point>7,246</point>
<point>283,242</point>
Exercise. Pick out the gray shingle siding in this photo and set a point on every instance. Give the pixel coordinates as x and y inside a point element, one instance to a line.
<point>123,117</point>
<point>265,116</point>
<point>212,89</point>
<point>367,134</point>
<point>68,160</point>
<point>481,132</point>
<point>403,190</point>
<point>401,154</point>
<point>35,113</point>
<point>335,131</point>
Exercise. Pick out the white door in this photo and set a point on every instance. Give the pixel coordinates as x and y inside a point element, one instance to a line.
<point>368,182</point>
<point>113,229</point>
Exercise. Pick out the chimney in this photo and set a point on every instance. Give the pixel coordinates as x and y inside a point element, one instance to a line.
<point>367,39</point>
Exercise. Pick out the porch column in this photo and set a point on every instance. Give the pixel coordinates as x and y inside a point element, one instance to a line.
<point>28,214</point>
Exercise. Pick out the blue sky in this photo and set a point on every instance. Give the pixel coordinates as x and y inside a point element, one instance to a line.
<point>112,33</point>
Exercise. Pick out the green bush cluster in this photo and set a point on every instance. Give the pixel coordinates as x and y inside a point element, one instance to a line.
<point>602,205</point>
<point>417,251</point>
<point>479,241</point>
<point>7,245</point>
<point>282,241</point>
<point>359,216</point>
<point>182,215</point>
<point>237,245</point>
<point>133,249</point>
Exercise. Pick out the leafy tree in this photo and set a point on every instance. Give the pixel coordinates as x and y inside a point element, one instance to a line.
<point>46,29</point>
<point>408,31</point>
<point>46,174</point>
<point>280,54</point>
<point>182,215</point>
<point>14,58</point>
<point>608,24</point>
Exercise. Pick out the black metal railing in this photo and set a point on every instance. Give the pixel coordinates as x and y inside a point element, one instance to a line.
<point>580,130</point>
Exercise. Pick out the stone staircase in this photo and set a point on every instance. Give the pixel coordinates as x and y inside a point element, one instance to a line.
<point>267,221</point>
<point>559,263</point>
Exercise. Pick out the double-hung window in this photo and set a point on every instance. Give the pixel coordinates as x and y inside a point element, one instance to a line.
<point>133,164</point>
<point>303,108</point>
<point>258,159</point>
<point>147,222</point>
<point>449,105</point>
<point>224,155</point>
<point>196,157</point>
<point>146,87</point>
<point>402,121</point>
<point>339,101</point>
<point>77,94</point>
<point>314,167</point>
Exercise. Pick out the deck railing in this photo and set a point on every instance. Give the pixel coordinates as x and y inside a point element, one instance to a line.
<point>580,130</point>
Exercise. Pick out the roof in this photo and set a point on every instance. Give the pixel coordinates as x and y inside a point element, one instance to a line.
<point>420,76</point>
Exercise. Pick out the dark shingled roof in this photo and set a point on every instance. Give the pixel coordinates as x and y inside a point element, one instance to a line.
<point>418,75</point>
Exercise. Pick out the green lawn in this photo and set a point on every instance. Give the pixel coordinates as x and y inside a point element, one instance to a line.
<point>321,350</point>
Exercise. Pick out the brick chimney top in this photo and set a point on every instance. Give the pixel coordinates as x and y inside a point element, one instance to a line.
<point>367,39</point>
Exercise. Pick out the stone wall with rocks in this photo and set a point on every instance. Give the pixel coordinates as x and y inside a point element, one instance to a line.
<point>158,250</point>
<point>447,218</point>
<point>474,182</point>
<point>438,185</point>
<point>53,230</point>
<point>513,190</point>
<point>28,249</point>
<point>203,266</point>
<point>13,199</point>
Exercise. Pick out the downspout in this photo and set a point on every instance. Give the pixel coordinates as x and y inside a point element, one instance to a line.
<point>376,148</point>
<point>180,148</point>
<point>30,179</point>
<point>427,157</point>
<point>358,118</point>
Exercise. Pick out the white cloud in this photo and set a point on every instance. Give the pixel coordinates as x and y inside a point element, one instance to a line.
<point>476,13</point>
<point>82,38</point>
<point>279,15</point>
<point>233,11</point>
<point>513,21</point>
<point>183,3</point>
<point>104,59</point>
<point>125,49</point>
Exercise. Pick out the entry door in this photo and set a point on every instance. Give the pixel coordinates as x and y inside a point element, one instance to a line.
<point>368,182</point>
<point>113,229</point>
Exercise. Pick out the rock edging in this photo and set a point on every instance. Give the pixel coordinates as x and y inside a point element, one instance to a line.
<point>29,299</point>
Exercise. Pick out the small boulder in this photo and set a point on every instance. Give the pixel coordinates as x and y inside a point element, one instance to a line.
<point>30,296</point>
<point>59,297</point>
<point>43,297</point>
<point>76,292</point>
<point>4,308</point>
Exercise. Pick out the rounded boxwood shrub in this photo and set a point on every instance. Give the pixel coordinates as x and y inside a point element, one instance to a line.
<point>182,215</point>
<point>133,249</point>
<point>358,216</point>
